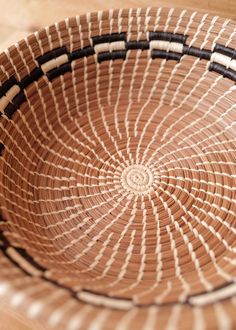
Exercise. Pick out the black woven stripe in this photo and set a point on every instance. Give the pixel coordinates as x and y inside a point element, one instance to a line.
<point>89,51</point>
<point>21,251</point>
<point>14,105</point>
<point>197,52</point>
<point>137,45</point>
<point>33,76</point>
<point>3,238</point>
<point>10,110</point>
<point>1,152</point>
<point>19,99</point>
<point>7,85</point>
<point>85,52</point>
<point>167,36</point>
<point>121,54</point>
<point>109,38</point>
<point>51,55</point>
<point>30,260</point>
<point>4,250</point>
<point>73,293</point>
<point>225,51</point>
<point>166,55</point>
<point>59,71</point>
<point>226,73</point>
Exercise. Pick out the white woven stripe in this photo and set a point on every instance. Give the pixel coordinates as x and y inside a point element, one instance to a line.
<point>54,63</point>
<point>8,97</point>
<point>108,302</point>
<point>224,60</point>
<point>109,47</point>
<point>167,46</point>
<point>212,297</point>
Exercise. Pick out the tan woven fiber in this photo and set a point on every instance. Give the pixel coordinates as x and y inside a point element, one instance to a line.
<point>118,172</point>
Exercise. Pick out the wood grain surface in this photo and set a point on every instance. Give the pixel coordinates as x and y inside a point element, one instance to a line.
<point>18,18</point>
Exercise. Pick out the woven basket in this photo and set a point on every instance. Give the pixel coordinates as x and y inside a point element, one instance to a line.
<point>117,172</point>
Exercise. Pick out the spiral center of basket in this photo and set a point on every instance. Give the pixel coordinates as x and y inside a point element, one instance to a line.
<point>137,179</point>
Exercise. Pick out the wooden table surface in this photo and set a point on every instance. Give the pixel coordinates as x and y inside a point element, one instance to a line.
<point>18,18</point>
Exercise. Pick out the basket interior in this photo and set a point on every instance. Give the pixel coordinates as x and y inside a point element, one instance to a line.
<point>117,168</point>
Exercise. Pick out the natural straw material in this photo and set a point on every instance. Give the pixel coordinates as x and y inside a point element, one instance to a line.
<point>118,172</point>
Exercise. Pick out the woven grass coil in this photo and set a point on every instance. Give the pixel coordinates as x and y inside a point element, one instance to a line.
<point>118,172</point>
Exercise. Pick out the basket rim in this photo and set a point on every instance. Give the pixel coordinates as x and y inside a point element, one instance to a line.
<point>178,9</point>
<point>107,12</point>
